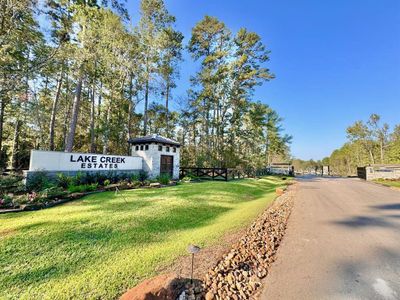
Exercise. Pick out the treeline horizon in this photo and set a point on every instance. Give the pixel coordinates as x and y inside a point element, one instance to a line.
<point>369,142</point>
<point>78,76</point>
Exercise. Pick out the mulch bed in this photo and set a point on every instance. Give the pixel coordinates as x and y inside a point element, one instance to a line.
<point>50,203</point>
<point>74,196</point>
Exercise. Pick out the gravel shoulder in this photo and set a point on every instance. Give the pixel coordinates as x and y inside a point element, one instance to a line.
<point>342,242</point>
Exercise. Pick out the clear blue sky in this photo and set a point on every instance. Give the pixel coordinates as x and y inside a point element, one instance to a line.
<point>335,61</point>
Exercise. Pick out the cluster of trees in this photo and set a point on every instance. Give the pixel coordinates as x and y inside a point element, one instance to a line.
<point>76,75</point>
<point>309,165</point>
<point>370,142</point>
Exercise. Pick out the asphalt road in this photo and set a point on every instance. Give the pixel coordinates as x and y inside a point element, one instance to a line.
<point>342,242</point>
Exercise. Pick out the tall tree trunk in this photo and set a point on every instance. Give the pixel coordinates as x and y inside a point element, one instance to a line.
<point>14,151</point>
<point>67,112</point>
<point>75,112</point>
<point>2,105</point>
<point>107,121</point>
<point>107,131</point>
<point>100,99</point>
<point>166,110</point>
<point>92,113</point>
<point>98,114</point>
<point>130,111</point>
<point>129,133</point>
<point>146,103</point>
<point>54,111</point>
<point>371,155</point>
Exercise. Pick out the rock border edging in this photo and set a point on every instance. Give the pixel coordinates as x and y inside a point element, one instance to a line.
<point>239,273</point>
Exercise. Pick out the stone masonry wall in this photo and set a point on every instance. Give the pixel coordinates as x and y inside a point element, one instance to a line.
<point>382,173</point>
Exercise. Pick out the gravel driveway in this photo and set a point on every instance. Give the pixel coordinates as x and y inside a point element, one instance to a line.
<point>342,242</point>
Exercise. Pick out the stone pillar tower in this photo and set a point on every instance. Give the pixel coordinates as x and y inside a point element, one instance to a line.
<point>160,155</point>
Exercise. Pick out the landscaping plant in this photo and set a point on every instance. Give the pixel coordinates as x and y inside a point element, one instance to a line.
<point>38,182</point>
<point>9,183</point>
<point>63,180</point>
<point>134,177</point>
<point>143,175</point>
<point>164,179</point>
<point>83,188</point>
<point>6,202</point>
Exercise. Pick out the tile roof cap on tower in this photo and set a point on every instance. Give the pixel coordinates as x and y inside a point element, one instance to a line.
<point>153,138</point>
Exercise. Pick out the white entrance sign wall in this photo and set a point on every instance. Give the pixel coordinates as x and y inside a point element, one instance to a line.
<point>67,161</point>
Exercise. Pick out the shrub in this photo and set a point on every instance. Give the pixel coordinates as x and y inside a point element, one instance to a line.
<point>76,188</point>
<point>19,199</point>
<point>136,183</point>
<point>125,177</point>
<point>106,182</point>
<point>90,178</point>
<point>134,177</point>
<point>78,179</point>
<point>63,181</point>
<point>100,178</point>
<point>38,182</point>
<point>52,193</point>
<point>93,187</point>
<point>20,188</point>
<point>163,178</point>
<point>112,176</point>
<point>9,183</point>
<point>142,176</point>
<point>6,201</point>
<point>83,188</point>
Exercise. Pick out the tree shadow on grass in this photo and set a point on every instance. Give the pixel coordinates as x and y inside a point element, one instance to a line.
<point>119,205</point>
<point>63,248</point>
<point>232,194</point>
<point>88,246</point>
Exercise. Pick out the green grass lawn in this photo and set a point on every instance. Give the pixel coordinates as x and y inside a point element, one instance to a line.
<point>97,247</point>
<point>394,183</point>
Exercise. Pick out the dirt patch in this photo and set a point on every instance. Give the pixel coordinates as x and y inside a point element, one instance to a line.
<point>7,232</point>
<point>165,286</point>
<point>205,259</point>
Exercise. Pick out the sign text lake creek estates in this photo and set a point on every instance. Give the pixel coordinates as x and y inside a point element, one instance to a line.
<point>69,161</point>
<point>97,162</point>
